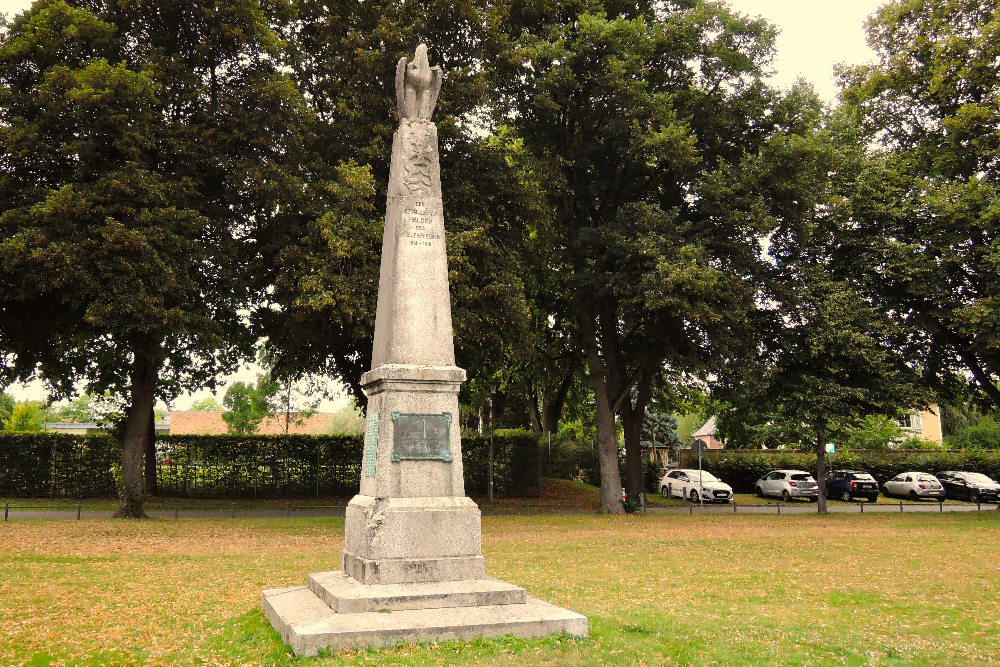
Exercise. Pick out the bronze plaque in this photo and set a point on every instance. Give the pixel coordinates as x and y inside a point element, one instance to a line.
<point>421,437</point>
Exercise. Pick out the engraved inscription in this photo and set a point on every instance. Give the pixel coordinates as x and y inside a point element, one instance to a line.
<point>371,445</point>
<point>421,437</point>
<point>422,225</point>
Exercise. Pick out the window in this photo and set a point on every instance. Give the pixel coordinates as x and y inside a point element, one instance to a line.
<point>912,422</point>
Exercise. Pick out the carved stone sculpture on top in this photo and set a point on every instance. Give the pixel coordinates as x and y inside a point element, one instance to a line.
<point>417,86</point>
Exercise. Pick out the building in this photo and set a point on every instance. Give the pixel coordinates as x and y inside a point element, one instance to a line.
<point>89,428</point>
<point>925,424</point>
<point>211,423</point>
<point>708,433</point>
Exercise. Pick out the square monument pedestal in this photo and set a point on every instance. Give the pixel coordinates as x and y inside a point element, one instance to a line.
<point>335,610</point>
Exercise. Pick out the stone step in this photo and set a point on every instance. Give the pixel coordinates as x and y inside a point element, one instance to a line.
<point>307,624</point>
<point>346,595</point>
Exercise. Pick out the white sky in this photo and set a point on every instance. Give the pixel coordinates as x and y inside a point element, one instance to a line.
<point>814,36</point>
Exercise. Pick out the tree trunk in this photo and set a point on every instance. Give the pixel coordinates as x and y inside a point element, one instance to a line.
<point>632,418</point>
<point>150,455</point>
<point>552,408</point>
<point>821,474</point>
<point>143,376</point>
<point>607,438</point>
<point>536,421</point>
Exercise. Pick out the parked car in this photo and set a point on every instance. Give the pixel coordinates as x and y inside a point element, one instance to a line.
<point>683,483</point>
<point>914,485</point>
<point>850,484</point>
<point>971,486</point>
<point>787,484</point>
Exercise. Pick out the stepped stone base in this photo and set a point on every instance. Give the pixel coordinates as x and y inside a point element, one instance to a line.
<point>346,595</point>
<point>371,616</point>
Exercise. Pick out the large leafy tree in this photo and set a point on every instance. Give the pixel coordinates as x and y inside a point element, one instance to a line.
<point>321,314</point>
<point>828,358</point>
<point>928,210</point>
<point>637,119</point>
<point>142,144</point>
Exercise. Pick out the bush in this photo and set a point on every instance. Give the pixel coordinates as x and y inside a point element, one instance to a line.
<point>876,432</point>
<point>57,464</point>
<point>570,458</point>
<point>236,466</point>
<point>983,435</point>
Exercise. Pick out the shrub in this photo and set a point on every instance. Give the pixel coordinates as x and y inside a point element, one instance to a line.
<point>985,434</point>
<point>236,466</point>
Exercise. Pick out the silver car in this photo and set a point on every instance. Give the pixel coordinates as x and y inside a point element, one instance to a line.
<point>914,485</point>
<point>788,484</point>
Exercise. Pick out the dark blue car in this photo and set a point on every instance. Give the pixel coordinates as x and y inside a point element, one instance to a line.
<point>851,484</point>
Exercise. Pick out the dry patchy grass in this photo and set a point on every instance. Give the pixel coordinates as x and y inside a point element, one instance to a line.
<point>868,589</point>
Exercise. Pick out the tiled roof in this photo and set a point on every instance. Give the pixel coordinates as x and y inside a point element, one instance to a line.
<point>211,423</point>
<point>708,428</point>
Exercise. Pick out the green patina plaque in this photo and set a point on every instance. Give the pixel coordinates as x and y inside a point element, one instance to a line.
<point>371,445</point>
<point>421,437</point>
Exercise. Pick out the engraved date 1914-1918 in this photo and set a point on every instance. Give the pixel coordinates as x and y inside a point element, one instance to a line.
<point>420,226</point>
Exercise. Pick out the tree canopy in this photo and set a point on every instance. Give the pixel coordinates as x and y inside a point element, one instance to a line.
<point>141,146</point>
<point>927,210</point>
<point>646,128</point>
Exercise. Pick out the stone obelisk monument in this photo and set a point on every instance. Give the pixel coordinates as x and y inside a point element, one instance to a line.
<point>412,567</point>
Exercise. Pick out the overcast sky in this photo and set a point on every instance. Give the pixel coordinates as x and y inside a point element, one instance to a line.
<point>814,37</point>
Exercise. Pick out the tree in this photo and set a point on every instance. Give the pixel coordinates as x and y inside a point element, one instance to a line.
<point>208,404</point>
<point>247,406</point>
<point>829,357</point>
<point>25,417</point>
<point>141,147</point>
<point>636,120</point>
<point>76,411</point>
<point>324,269</point>
<point>6,407</point>
<point>927,221</point>
<point>874,432</point>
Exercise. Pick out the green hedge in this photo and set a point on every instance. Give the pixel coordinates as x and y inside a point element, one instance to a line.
<point>57,464</point>
<point>740,468</point>
<point>231,466</point>
<point>516,472</point>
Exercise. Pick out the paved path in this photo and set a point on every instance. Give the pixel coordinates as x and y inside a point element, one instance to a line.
<point>14,513</point>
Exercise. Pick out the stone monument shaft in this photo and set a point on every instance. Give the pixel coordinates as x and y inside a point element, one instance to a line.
<point>411,521</point>
<point>412,563</point>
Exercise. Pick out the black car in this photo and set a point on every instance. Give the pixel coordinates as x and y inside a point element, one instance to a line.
<point>972,486</point>
<point>851,484</point>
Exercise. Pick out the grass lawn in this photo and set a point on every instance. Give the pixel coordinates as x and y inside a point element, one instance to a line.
<point>659,589</point>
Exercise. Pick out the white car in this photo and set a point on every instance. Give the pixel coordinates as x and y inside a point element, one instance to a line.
<point>683,483</point>
<point>914,485</point>
<point>787,484</point>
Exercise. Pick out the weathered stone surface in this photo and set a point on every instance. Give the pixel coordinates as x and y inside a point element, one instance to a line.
<point>307,624</point>
<point>345,595</point>
<point>422,527</point>
<point>430,390</point>
<point>412,565</point>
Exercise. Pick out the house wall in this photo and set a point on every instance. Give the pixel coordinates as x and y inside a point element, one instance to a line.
<point>930,425</point>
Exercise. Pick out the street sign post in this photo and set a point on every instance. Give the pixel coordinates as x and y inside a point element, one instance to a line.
<point>699,446</point>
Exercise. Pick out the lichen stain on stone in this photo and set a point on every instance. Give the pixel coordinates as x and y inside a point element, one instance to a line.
<point>375,517</point>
